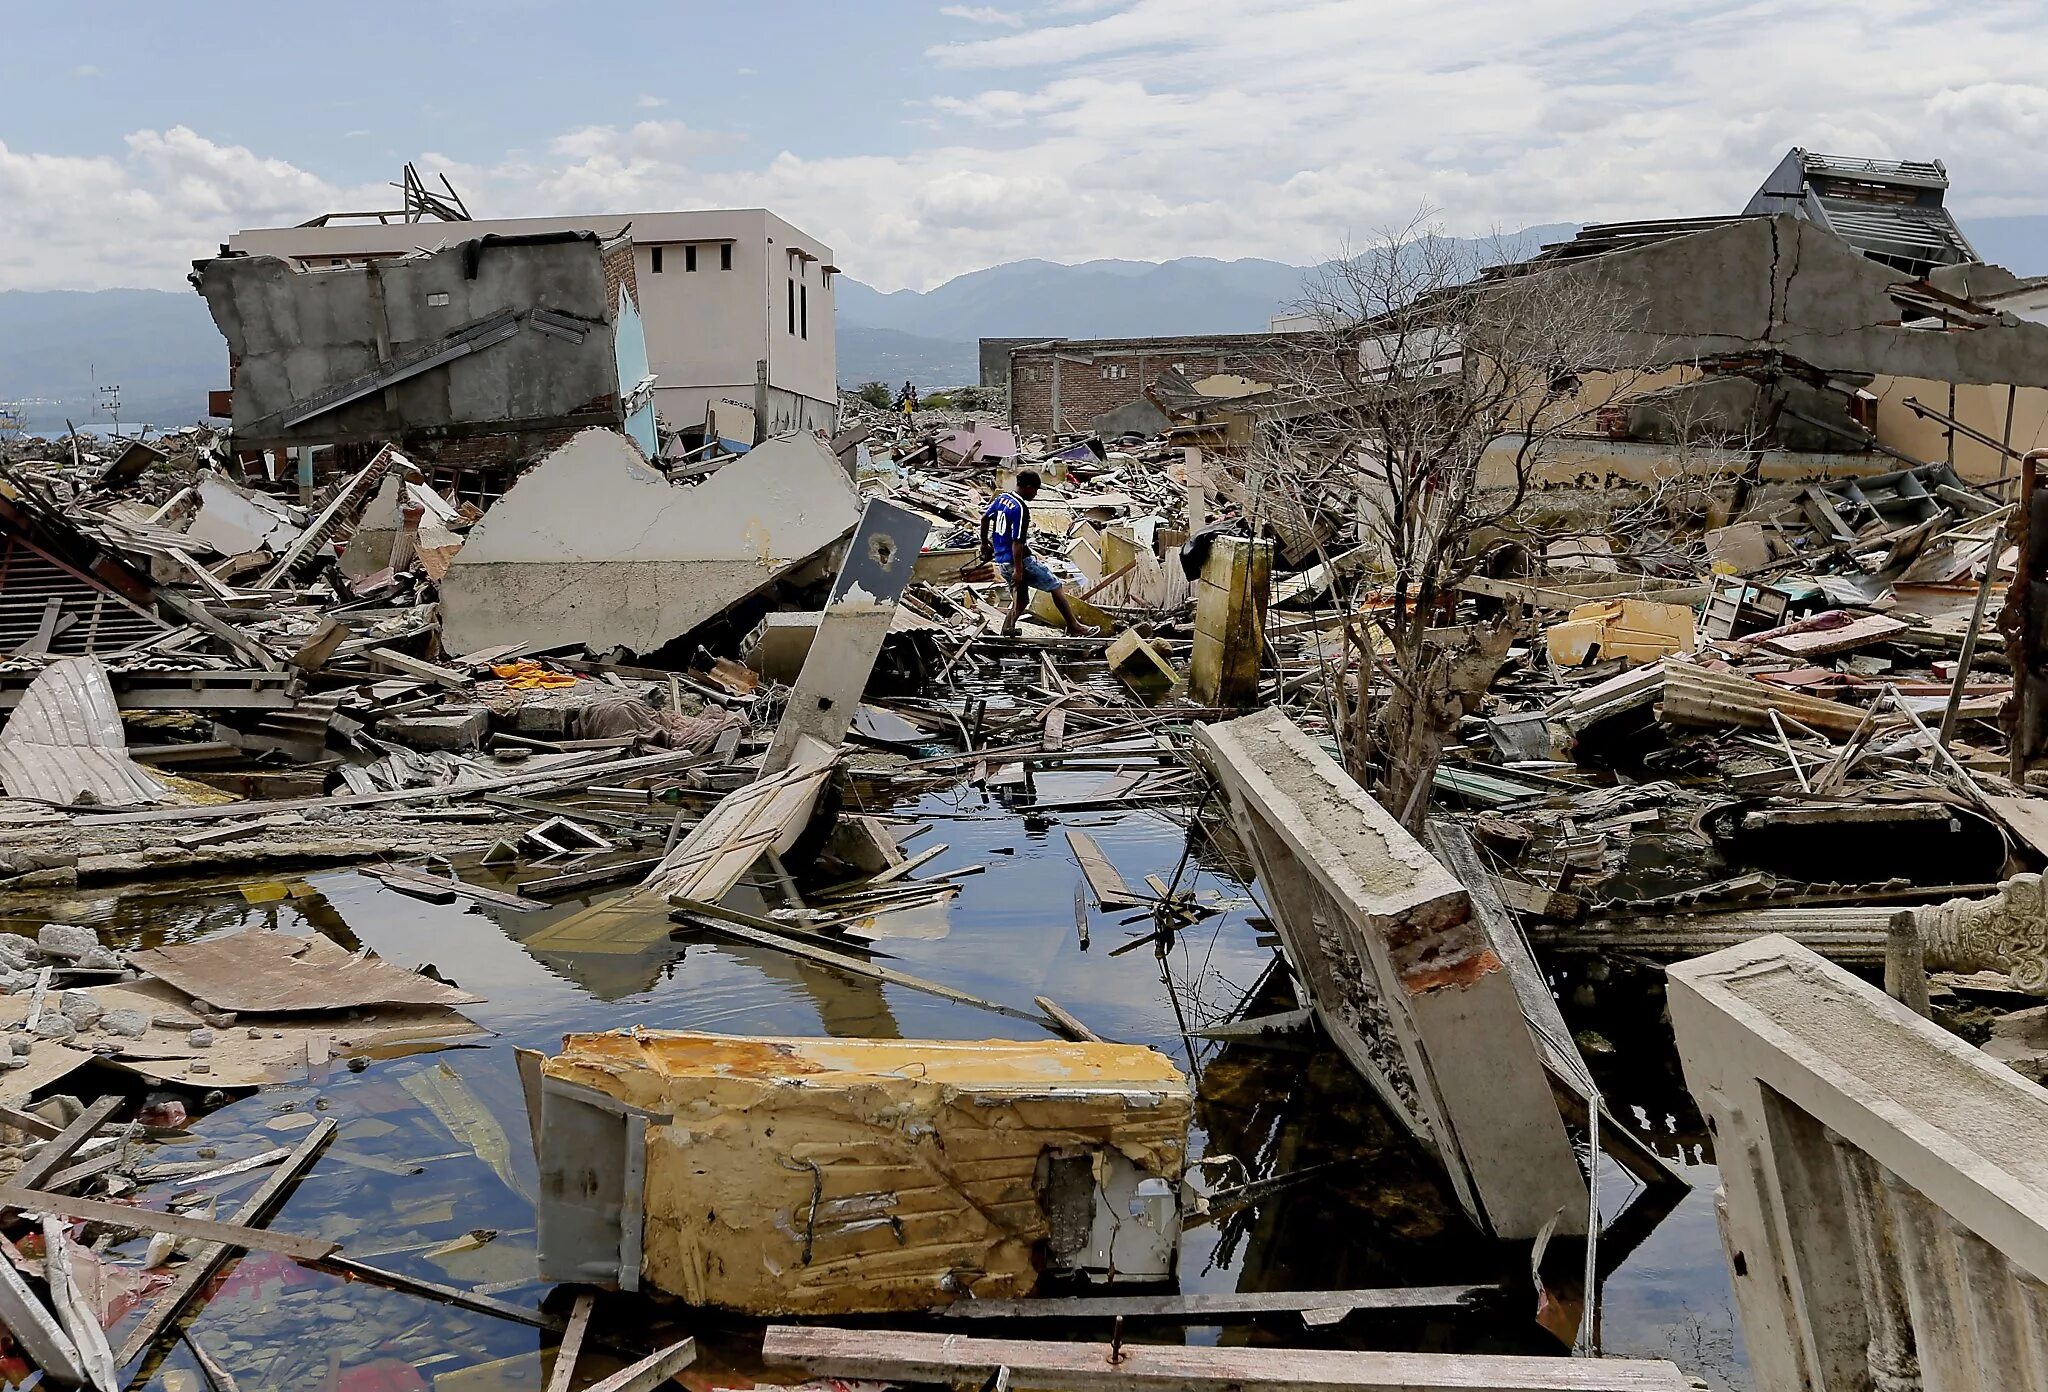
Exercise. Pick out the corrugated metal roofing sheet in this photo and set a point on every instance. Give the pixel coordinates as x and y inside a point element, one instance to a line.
<point>64,743</point>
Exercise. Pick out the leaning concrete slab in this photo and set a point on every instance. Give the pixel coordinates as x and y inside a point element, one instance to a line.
<point>857,617</point>
<point>593,546</point>
<point>1884,1194</point>
<point>1382,940</point>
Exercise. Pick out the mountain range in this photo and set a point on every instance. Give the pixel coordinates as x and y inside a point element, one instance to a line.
<point>163,349</point>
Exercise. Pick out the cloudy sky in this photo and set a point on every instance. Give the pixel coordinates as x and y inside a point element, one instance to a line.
<point>922,139</point>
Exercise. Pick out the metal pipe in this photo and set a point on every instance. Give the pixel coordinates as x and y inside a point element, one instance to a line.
<point>1957,427</point>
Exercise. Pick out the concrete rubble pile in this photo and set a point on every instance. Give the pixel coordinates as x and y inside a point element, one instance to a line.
<point>1736,719</point>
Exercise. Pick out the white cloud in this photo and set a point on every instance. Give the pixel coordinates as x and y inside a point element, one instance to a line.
<point>1156,128</point>
<point>649,102</point>
<point>142,216</point>
<point>984,14</point>
<point>86,70</point>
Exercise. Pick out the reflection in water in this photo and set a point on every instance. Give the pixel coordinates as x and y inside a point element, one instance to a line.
<point>1314,1186</point>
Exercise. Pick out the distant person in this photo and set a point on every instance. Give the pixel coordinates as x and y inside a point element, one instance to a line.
<point>907,400</point>
<point>1008,518</point>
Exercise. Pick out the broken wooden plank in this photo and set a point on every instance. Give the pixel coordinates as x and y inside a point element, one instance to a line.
<point>1816,641</point>
<point>407,876</point>
<point>562,775</point>
<point>2025,817</point>
<point>1276,1025</point>
<point>690,909</point>
<point>416,667</point>
<point>904,867</point>
<point>900,1356</point>
<point>1068,1024</point>
<point>196,614</point>
<point>1201,1306</point>
<point>28,1123</point>
<point>84,1170</point>
<point>1104,882</point>
<point>30,1321</point>
<point>650,1372</point>
<point>853,966</point>
<point>590,879</point>
<point>176,1224</point>
<point>571,1346</point>
<point>271,973</point>
<point>59,1151</point>
<point>434,1290</point>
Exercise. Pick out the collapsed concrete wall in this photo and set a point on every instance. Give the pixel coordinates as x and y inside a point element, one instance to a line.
<point>1383,945</point>
<point>492,336</point>
<point>1783,285</point>
<point>594,546</point>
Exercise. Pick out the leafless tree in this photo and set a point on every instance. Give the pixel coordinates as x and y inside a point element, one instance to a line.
<point>1433,395</point>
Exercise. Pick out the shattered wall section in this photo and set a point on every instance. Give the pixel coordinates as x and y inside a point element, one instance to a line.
<point>492,336</point>
<point>1382,944</point>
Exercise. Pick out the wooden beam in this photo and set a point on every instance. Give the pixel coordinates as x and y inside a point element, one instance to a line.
<point>434,1290</point>
<point>209,1259</point>
<point>855,967</point>
<point>1069,1024</point>
<point>411,878</point>
<point>176,1224</point>
<point>415,667</point>
<point>572,1344</point>
<point>59,1151</point>
<point>29,1123</point>
<point>1060,1367</point>
<point>650,1372</point>
<point>1104,881</point>
<point>196,614</point>
<point>563,775</point>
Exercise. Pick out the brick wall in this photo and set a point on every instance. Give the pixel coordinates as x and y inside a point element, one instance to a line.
<point>1099,375</point>
<point>618,271</point>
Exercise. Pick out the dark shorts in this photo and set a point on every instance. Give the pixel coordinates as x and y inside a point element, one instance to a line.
<point>1035,574</point>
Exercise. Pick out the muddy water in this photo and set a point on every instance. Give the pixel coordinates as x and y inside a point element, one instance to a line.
<point>1338,1197</point>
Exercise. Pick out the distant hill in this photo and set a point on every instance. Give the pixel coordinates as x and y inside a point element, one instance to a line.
<point>160,346</point>
<point>889,355</point>
<point>163,350</point>
<point>1095,299</point>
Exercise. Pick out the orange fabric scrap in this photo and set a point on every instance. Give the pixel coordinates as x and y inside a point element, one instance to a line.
<point>531,676</point>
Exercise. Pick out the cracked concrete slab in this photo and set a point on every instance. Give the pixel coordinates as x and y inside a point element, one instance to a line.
<point>594,546</point>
